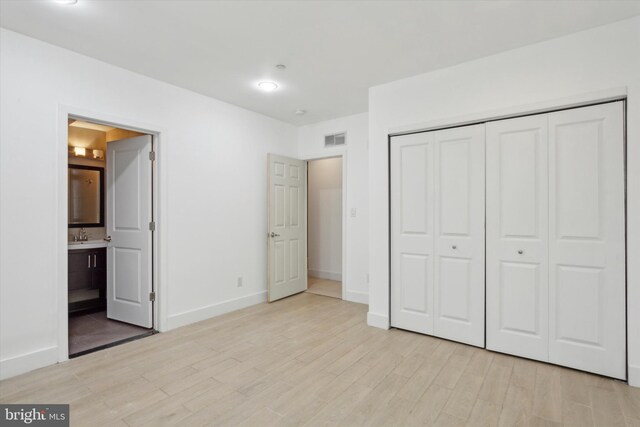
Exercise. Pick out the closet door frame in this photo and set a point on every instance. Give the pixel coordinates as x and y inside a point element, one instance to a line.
<point>608,97</point>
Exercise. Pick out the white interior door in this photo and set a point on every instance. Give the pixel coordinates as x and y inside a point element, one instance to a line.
<point>459,234</point>
<point>587,239</point>
<point>437,233</point>
<point>412,219</point>
<point>128,216</point>
<point>517,237</point>
<point>287,187</point>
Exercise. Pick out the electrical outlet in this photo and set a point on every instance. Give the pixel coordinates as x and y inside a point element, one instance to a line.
<point>239,282</point>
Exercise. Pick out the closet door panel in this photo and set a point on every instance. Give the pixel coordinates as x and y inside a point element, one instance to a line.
<point>454,182</point>
<point>517,242</point>
<point>587,239</point>
<point>454,290</point>
<point>412,216</point>
<point>459,242</point>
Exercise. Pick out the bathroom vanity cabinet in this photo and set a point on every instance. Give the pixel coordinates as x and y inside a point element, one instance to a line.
<point>87,279</point>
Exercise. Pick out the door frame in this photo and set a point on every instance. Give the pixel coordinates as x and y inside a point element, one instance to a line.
<point>158,206</point>
<point>604,97</point>
<point>338,153</point>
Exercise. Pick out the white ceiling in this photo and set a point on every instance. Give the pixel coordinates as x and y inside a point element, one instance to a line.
<point>334,50</point>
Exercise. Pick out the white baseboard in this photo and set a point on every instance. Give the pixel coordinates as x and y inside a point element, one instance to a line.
<point>28,362</point>
<point>357,296</point>
<point>378,320</point>
<point>634,375</point>
<point>203,313</point>
<point>328,275</point>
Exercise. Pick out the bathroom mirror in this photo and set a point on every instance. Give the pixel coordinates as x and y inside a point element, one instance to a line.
<point>86,196</point>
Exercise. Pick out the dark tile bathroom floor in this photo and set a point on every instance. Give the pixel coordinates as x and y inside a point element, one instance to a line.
<point>89,331</point>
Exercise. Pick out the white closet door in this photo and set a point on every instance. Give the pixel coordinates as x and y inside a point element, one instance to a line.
<point>412,232</point>
<point>517,237</point>
<point>587,239</point>
<point>459,234</point>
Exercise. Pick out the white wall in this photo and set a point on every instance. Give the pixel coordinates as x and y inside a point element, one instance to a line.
<point>212,192</point>
<point>311,146</point>
<point>325,218</point>
<point>552,73</point>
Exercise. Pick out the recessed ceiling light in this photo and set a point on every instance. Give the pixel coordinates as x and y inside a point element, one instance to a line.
<point>268,86</point>
<point>300,112</point>
<point>281,66</point>
<point>66,1</point>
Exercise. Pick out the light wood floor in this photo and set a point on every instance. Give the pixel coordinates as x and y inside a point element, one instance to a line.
<point>324,287</point>
<point>311,360</point>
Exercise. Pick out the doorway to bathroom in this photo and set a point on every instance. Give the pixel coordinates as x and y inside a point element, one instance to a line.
<point>325,226</point>
<point>110,290</point>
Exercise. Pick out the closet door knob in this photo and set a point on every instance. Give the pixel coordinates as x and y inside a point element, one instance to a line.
<point>520,251</point>
<point>454,247</point>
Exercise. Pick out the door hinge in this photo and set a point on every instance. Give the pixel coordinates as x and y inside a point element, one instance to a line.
<point>152,155</point>
<point>152,296</point>
<point>152,226</point>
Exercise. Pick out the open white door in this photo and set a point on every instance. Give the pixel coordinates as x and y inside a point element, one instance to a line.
<point>287,233</point>
<point>128,223</point>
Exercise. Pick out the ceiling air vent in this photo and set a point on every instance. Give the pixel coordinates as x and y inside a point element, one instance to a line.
<point>335,139</point>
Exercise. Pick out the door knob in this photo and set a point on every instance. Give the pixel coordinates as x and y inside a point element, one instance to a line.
<point>274,234</point>
<point>454,247</point>
<point>520,251</point>
<point>107,239</point>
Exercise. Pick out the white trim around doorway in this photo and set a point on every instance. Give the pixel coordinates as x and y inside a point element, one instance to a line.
<point>159,208</point>
<point>341,153</point>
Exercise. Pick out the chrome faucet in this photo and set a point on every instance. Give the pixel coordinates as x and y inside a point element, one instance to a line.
<point>82,235</point>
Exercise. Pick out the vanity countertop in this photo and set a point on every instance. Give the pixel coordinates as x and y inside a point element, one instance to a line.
<point>89,244</point>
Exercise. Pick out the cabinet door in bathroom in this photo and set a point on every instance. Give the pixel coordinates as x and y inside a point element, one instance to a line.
<point>99,269</point>
<point>79,269</point>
